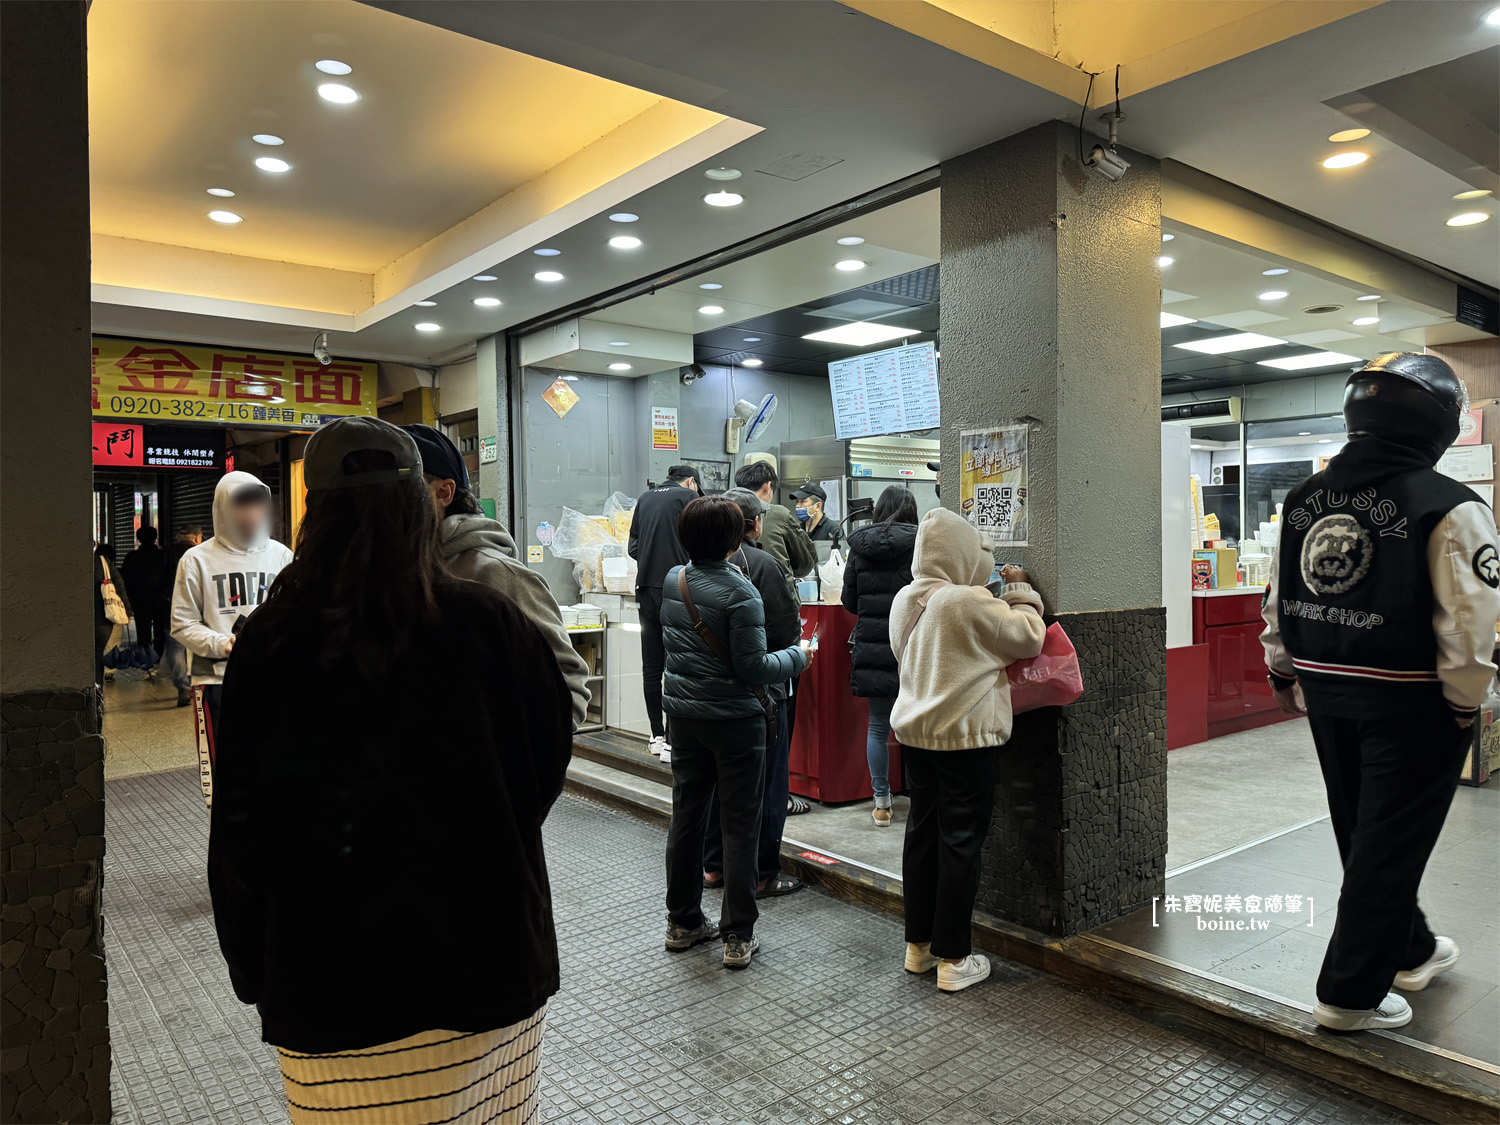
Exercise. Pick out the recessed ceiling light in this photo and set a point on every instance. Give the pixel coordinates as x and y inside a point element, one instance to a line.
<point>333,66</point>
<point>224,217</point>
<point>428,326</point>
<point>267,139</point>
<point>623,217</point>
<point>337,93</point>
<point>619,343</point>
<point>723,199</point>
<point>710,310</point>
<point>484,277</point>
<point>1346,159</point>
<point>1492,17</point>
<point>625,242</point>
<point>851,240</point>
<point>1304,433</point>
<point>221,192</point>
<point>1165,260</point>
<point>1273,295</point>
<point>1364,320</point>
<point>1369,297</point>
<point>1172,320</point>
<point>709,285</point>
<point>849,265</point>
<point>546,252</point>
<point>272,164</point>
<point>1306,362</point>
<point>859,333</point>
<point>1349,135</point>
<point>752,362</point>
<point>1167,237</point>
<point>1468,218</point>
<point>548,275</point>
<point>1277,272</point>
<point>752,339</point>
<point>427,304</point>
<point>723,174</point>
<point>619,367</point>
<point>487,302</point>
<point>1476,193</point>
<point>1234,342</point>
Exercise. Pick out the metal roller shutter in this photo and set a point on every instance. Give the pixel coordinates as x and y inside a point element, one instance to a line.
<point>192,502</point>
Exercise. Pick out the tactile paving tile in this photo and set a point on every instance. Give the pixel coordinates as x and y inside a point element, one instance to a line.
<point>824,1027</point>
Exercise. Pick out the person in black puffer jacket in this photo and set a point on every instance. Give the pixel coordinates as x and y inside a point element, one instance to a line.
<point>718,725</point>
<point>879,566</point>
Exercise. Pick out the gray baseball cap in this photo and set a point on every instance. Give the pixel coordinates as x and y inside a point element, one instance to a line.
<point>324,467</point>
<point>752,505</point>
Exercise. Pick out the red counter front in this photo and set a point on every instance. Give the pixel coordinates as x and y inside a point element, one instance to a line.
<point>828,744</point>
<point>1230,625</point>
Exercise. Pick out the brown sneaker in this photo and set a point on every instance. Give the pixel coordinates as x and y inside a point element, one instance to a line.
<point>882,817</point>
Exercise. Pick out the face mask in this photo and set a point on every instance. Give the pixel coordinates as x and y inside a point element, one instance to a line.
<point>803,515</point>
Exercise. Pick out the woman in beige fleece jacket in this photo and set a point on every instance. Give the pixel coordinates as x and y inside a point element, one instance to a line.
<point>953,640</point>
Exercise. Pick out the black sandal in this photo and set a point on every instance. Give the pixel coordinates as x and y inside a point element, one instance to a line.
<point>796,806</point>
<point>779,885</point>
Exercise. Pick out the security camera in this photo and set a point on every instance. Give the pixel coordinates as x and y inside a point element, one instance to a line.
<point>1107,161</point>
<point>320,349</point>
<point>691,374</point>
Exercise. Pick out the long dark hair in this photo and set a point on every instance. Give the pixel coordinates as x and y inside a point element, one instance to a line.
<point>896,505</point>
<point>366,567</point>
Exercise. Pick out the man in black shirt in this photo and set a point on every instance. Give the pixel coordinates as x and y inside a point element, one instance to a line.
<point>810,500</point>
<point>656,550</point>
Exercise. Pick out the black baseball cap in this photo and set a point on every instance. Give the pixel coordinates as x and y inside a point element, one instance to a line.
<point>935,466</point>
<point>681,472</point>
<point>811,491</point>
<point>440,456</point>
<point>323,465</point>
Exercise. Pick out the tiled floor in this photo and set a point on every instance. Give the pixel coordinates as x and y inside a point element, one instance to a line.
<point>823,1027</point>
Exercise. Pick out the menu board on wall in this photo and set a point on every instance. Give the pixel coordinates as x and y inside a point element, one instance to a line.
<point>890,392</point>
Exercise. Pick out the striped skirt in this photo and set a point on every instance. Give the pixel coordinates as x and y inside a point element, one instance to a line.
<point>432,1078</point>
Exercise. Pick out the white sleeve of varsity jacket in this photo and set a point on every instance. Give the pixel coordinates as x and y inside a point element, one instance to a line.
<point>1277,657</point>
<point>1465,566</point>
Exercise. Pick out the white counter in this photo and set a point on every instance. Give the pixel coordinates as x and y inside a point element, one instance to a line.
<point>1229,593</point>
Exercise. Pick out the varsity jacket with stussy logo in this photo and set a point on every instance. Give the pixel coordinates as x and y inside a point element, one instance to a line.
<point>1384,598</point>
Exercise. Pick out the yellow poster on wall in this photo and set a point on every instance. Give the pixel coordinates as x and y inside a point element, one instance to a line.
<point>228,386</point>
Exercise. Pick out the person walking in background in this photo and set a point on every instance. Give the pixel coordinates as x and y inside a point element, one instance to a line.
<point>1381,610</point>
<point>879,567</point>
<point>144,571</point>
<point>392,739</point>
<point>714,692</point>
<point>174,656</point>
<point>482,550</point>
<point>783,630</point>
<point>106,586</point>
<point>221,582</point>
<point>656,550</point>
<point>781,534</point>
<point>953,641</point>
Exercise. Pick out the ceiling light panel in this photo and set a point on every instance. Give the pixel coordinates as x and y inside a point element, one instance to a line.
<point>487,302</point>
<point>723,199</point>
<point>272,164</point>
<point>229,218</point>
<point>338,93</point>
<point>1173,320</point>
<point>1235,342</point>
<point>625,242</point>
<point>267,139</point>
<point>861,333</point>
<point>333,66</point>
<point>548,275</point>
<point>1308,362</point>
<point>1346,160</point>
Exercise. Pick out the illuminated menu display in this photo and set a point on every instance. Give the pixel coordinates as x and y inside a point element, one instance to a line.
<point>889,392</point>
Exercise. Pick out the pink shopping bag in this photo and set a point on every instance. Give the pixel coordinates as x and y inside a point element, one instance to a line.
<point>1052,679</point>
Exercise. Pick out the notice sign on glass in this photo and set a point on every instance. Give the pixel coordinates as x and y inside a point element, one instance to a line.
<point>889,392</point>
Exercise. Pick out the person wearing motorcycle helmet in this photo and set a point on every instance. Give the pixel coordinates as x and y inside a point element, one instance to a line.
<point>1380,627</point>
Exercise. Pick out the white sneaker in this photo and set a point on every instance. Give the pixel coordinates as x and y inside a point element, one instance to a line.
<point>971,970</point>
<point>660,748</point>
<point>1443,958</point>
<point>1392,1012</point>
<point>919,958</point>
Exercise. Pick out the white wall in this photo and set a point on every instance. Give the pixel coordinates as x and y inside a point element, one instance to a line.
<point>1177,534</point>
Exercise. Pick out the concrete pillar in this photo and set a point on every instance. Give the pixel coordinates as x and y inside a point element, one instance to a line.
<point>664,389</point>
<point>54,1023</point>
<point>493,394</point>
<point>1051,297</point>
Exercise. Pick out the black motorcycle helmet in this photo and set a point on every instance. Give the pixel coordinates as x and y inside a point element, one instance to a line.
<point>1406,397</point>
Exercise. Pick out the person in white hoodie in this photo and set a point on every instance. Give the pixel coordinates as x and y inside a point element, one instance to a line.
<point>482,550</point>
<point>222,581</point>
<point>953,640</point>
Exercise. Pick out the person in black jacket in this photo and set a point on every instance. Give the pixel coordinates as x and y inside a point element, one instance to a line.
<point>655,549</point>
<point>717,670</point>
<point>391,740</point>
<point>879,566</point>
<point>783,629</point>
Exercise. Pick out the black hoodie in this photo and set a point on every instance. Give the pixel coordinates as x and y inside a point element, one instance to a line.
<point>879,565</point>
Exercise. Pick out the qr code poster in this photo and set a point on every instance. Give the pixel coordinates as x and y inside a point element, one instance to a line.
<point>992,489</point>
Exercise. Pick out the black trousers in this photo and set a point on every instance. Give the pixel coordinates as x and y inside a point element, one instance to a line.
<point>952,795</point>
<point>1390,782</point>
<point>653,655</point>
<point>727,756</point>
<point>772,808</point>
<point>153,627</point>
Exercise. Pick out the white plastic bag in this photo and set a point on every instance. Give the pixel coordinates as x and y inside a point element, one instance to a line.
<point>831,574</point>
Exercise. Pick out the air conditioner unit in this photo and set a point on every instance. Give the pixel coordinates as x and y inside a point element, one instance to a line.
<point>1203,413</point>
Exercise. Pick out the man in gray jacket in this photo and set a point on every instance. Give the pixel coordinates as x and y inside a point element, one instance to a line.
<point>482,550</point>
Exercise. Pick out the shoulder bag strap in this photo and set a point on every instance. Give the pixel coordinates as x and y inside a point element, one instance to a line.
<point>712,641</point>
<point>912,624</point>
